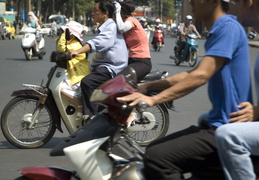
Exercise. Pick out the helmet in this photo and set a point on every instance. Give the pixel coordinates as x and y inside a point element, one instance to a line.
<point>143,19</point>
<point>188,17</point>
<point>30,13</point>
<point>158,20</point>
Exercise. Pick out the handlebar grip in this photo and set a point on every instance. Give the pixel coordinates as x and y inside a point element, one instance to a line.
<point>142,106</point>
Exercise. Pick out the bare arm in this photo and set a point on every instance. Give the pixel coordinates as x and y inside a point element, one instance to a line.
<point>196,32</point>
<point>189,82</point>
<point>85,49</point>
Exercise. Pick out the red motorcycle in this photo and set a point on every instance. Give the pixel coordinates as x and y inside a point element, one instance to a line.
<point>158,39</point>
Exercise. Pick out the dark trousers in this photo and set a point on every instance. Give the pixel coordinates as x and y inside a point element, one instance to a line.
<point>190,150</point>
<point>142,67</point>
<point>181,45</point>
<point>88,84</point>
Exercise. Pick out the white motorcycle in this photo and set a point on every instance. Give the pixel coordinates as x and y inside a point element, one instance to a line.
<point>90,149</point>
<point>31,118</point>
<point>28,43</point>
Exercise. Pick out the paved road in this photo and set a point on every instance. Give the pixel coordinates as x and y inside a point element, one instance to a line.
<point>15,70</point>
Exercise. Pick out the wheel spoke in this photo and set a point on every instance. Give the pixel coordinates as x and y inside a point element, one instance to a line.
<point>16,122</point>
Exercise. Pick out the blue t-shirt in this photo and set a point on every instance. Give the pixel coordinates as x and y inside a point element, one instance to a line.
<point>256,77</point>
<point>231,85</point>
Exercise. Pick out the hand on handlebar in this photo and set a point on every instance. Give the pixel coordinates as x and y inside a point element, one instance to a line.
<point>72,54</point>
<point>137,97</point>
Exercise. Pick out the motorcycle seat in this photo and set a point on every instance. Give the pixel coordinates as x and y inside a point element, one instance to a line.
<point>153,75</point>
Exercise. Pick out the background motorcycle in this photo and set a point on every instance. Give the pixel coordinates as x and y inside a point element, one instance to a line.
<point>28,43</point>
<point>31,118</point>
<point>158,39</point>
<point>189,52</point>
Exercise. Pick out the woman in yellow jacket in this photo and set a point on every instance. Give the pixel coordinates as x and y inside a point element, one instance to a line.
<point>79,66</point>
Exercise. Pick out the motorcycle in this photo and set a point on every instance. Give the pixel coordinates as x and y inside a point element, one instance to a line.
<point>189,52</point>
<point>28,43</point>
<point>158,39</point>
<point>31,118</point>
<point>101,149</point>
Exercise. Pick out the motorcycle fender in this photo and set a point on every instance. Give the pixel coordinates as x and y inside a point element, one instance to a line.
<point>46,173</point>
<point>31,93</point>
<point>26,92</point>
<point>193,48</point>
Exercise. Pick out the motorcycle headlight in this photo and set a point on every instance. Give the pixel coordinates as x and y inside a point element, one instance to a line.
<point>98,95</point>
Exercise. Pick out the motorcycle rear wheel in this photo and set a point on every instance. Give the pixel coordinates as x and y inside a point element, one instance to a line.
<point>143,138</point>
<point>16,118</point>
<point>28,54</point>
<point>193,56</point>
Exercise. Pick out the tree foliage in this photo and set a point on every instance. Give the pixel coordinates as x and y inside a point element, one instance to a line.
<point>81,9</point>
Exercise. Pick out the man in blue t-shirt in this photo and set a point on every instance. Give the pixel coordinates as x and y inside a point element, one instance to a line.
<point>225,66</point>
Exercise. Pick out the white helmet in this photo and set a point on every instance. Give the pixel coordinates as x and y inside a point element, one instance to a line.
<point>158,20</point>
<point>188,17</point>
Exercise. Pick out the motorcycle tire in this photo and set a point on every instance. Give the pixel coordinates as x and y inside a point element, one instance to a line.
<point>193,57</point>
<point>143,138</point>
<point>158,45</point>
<point>16,118</point>
<point>28,54</point>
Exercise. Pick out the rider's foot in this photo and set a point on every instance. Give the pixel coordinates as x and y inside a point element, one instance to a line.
<point>85,119</point>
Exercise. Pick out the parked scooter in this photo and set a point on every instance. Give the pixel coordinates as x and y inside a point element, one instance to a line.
<point>189,53</point>
<point>158,39</point>
<point>30,119</point>
<point>100,150</point>
<point>28,43</point>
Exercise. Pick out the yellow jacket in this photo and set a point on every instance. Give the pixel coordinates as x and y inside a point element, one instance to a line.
<point>78,67</point>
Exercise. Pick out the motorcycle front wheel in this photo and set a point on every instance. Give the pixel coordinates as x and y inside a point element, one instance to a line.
<point>161,114</point>
<point>193,56</point>
<point>28,54</point>
<point>16,120</point>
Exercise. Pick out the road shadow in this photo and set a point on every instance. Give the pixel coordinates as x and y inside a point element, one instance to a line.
<point>23,59</point>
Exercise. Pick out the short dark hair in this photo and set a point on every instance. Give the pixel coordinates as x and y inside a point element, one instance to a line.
<point>106,6</point>
<point>225,6</point>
